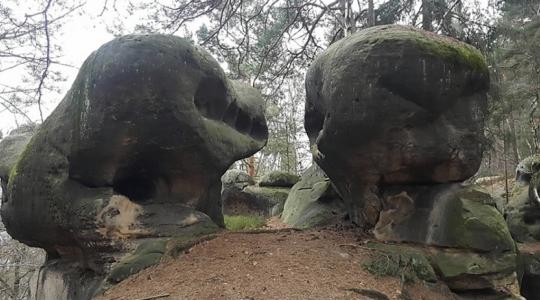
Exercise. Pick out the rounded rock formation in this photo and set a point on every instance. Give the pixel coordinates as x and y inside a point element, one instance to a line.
<point>395,105</point>
<point>135,150</point>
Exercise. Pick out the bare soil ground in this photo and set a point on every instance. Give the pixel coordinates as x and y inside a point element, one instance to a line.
<point>279,264</point>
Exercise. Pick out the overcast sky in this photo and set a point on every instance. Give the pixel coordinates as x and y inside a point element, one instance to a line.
<point>80,37</point>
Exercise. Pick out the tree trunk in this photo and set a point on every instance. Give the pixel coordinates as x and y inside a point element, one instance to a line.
<point>427,15</point>
<point>351,21</point>
<point>251,166</point>
<point>371,14</point>
<point>513,136</point>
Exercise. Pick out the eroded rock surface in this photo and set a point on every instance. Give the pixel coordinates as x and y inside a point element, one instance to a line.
<point>10,148</point>
<point>529,269</point>
<point>242,196</point>
<point>522,214</point>
<point>134,151</point>
<point>395,117</point>
<point>413,115</point>
<point>313,201</point>
<point>279,179</point>
<point>446,215</point>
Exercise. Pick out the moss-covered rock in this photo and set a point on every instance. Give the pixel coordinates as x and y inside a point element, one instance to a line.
<point>147,254</point>
<point>522,217</point>
<point>404,262</point>
<point>312,201</point>
<point>135,150</point>
<point>245,199</point>
<point>479,224</point>
<point>448,215</point>
<point>464,270</point>
<point>279,179</point>
<point>236,179</point>
<point>445,48</point>
<point>529,269</point>
<point>11,147</point>
<point>393,105</point>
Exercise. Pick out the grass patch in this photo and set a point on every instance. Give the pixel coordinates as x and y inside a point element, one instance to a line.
<point>406,264</point>
<point>236,223</point>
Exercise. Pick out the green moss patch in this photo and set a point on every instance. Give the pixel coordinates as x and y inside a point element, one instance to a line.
<point>147,254</point>
<point>408,264</point>
<point>444,47</point>
<point>450,265</point>
<point>477,225</point>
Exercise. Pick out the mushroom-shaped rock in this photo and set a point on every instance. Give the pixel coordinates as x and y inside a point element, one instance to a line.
<point>395,105</point>
<point>136,149</point>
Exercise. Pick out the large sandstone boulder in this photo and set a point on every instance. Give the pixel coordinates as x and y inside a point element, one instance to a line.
<point>529,269</point>
<point>466,273</point>
<point>446,215</point>
<point>134,151</point>
<point>395,118</point>
<point>313,201</point>
<point>522,216</point>
<point>279,179</point>
<point>241,196</point>
<point>395,105</point>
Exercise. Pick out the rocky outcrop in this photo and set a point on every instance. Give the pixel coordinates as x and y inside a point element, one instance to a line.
<point>459,270</point>
<point>241,196</point>
<point>10,148</point>
<point>395,117</point>
<point>446,215</point>
<point>522,217</point>
<point>527,168</point>
<point>313,201</point>
<point>529,269</point>
<point>522,214</point>
<point>279,179</point>
<point>134,152</point>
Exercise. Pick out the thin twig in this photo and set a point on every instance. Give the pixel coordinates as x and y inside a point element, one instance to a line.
<point>154,297</point>
<point>48,59</point>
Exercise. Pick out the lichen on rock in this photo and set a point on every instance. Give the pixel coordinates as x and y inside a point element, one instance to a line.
<point>135,150</point>
<point>415,111</point>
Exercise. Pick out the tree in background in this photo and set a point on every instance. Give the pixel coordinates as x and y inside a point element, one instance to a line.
<point>28,50</point>
<point>514,124</point>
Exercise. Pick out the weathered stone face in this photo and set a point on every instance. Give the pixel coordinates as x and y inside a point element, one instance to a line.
<point>10,148</point>
<point>395,105</point>
<point>313,201</point>
<point>135,149</point>
<point>446,215</point>
<point>241,196</point>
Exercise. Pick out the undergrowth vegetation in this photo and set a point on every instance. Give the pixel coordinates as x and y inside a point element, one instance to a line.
<point>408,265</point>
<point>236,223</point>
